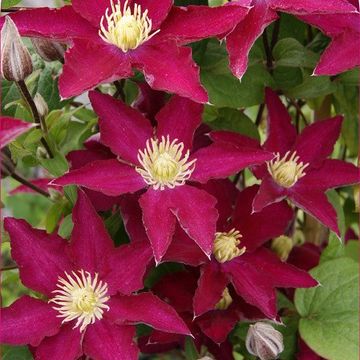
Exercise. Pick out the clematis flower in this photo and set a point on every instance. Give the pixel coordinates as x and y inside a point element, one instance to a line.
<point>342,54</point>
<point>300,170</point>
<point>111,37</point>
<point>81,312</point>
<point>239,258</point>
<point>263,12</point>
<point>158,161</point>
<point>11,128</point>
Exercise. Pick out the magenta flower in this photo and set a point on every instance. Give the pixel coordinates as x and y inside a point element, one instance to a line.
<point>343,52</point>
<point>300,170</point>
<point>82,313</point>
<point>159,161</point>
<point>109,38</point>
<point>11,128</point>
<point>263,12</point>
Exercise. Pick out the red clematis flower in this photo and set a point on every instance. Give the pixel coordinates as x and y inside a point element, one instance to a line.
<point>80,279</point>
<point>301,170</point>
<point>343,52</point>
<point>11,128</point>
<point>263,13</point>
<point>239,259</point>
<point>159,161</point>
<point>111,37</point>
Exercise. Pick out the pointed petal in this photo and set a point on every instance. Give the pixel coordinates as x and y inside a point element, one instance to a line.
<point>262,226</point>
<point>315,203</point>
<point>234,138</point>
<point>136,257</point>
<point>41,270</point>
<point>11,128</point>
<point>60,24</point>
<point>88,64</point>
<point>220,160</point>
<point>122,128</point>
<point>281,132</point>
<point>191,23</point>
<point>304,7</point>
<point>66,345</point>
<point>106,341</point>
<point>110,177</point>
<point>313,148</point>
<point>179,119</point>
<point>305,257</point>
<point>269,193</point>
<point>241,39</point>
<point>91,10</point>
<point>42,183</point>
<point>171,68</point>
<point>28,321</point>
<point>157,10</point>
<point>90,244</point>
<point>148,309</point>
<point>211,285</point>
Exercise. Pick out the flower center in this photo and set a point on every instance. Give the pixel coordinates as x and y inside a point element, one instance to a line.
<point>125,28</point>
<point>225,300</point>
<point>226,246</point>
<point>163,163</point>
<point>82,297</point>
<point>286,171</point>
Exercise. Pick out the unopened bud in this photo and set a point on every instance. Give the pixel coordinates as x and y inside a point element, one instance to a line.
<point>225,300</point>
<point>41,153</point>
<point>48,49</point>
<point>356,197</point>
<point>263,341</point>
<point>282,246</point>
<point>16,62</point>
<point>41,105</point>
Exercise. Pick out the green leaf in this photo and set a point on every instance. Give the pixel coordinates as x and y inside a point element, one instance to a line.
<point>9,3</point>
<point>66,227</point>
<point>333,250</point>
<point>113,223</point>
<point>190,349</point>
<point>335,200</point>
<point>16,353</point>
<point>54,215</point>
<point>352,250</point>
<point>56,166</point>
<point>329,313</point>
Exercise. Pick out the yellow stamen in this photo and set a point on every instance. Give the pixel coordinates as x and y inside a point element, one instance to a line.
<point>286,171</point>
<point>125,28</point>
<point>226,246</point>
<point>80,297</point>
<point>225,300</point>
<point>163,164</point>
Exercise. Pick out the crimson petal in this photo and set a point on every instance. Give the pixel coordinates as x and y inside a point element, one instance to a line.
<point>91,10</point>
<point>157,10</point>
<point>312,6</point>
<point>11,128</point>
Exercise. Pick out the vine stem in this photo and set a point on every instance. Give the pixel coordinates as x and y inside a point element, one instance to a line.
<point>37,118</point>
<point>27,183</point>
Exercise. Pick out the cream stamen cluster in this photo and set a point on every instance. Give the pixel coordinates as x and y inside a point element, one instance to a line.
<point>226,246</point>
<point>163,163</point>
<point>125,28</point>
<point>286,171</point>
<point>225,301</point>
<point>80,296</point>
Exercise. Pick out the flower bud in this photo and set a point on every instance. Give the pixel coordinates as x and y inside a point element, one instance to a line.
<point>263,341</point>
<point>356,197</point>
<point>282,246</point>
<point>16,62</point>
<point>48,49</point>
<point>41,105</point>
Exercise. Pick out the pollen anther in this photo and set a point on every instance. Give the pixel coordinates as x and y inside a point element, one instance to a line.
<point>125,28</point>
<point>80,296</point>
<point>163,163</point>
<point>286,171</point>
<point>226,245</point>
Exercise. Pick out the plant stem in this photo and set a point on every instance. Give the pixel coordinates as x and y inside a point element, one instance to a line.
<point>37,118</point>
<point>10,267</point>
<point>119,84</point>
<point>259,114</point>
<point>275,34</point>
<point>27,183</point>
<point>269,59</point>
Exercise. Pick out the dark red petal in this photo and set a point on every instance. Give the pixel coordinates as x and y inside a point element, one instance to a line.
<point>315,202</point>
<point>211,285</point>
<point>191,23</point>
<point>66,345</point>
<point>312,6</point>
<point>122,128</point>
<point>281,132</point>
<point>128,265</point>
<point>88,64</point>
<point>106,341</point>
<point>305,257</point>
<point>61,24</point>
<point>90,244</point>
<point>220,160</point>
<point>179,119</point>
<point>92,10</point>
<point>47,260</point>
<point>235,139</point>
<point>157,10</point>
<point>313,148</point>
<point>148,309</point>
<point>110,177</point>
<point>262,226</point>
<point>241,39</point>
<point>171,68</point>
<point>11,128</point>
<point>28,321</point>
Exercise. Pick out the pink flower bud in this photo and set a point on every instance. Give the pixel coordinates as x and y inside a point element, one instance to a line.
<point>49,50</point>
